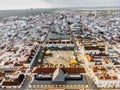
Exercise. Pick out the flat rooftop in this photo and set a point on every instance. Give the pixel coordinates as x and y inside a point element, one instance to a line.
<point>58,36</point>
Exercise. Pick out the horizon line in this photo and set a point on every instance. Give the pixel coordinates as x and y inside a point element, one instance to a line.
<point>88,7</point>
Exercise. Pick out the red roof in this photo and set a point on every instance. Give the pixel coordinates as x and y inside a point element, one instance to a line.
<point>22,69</point>
<point>11,62</point>
<point>18,64</point>
<point>40,70</point>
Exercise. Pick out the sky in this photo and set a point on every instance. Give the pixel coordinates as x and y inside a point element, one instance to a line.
<point>27,4</point>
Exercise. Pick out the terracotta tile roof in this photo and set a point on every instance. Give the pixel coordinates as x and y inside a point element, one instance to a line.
<point>99,67</point>
<point>107,61</point>
<point>9,71</point>
<point>91,48</point>
<point>10,83</point>
<point>107,77</point>
<point>101,77</point>
<point>103,69</point>
<point>15,73</point>
<point>40,70</point>
<point>22,69</point>
<point>18,64</point>
<point>115,77</point>
<point>101,54</point>
<point>74,70</point>
<point>10,62</point>
<point>13,82</point>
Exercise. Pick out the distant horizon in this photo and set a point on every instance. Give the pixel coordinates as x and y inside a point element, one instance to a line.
<point>104,7</point>
<point>28,4</point>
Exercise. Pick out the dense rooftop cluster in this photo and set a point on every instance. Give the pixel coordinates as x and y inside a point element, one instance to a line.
<point>61,49</point>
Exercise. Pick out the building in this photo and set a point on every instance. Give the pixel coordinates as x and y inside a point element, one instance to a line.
<point>58,77</point>
<point>104,77</point>
<point>60,41</point>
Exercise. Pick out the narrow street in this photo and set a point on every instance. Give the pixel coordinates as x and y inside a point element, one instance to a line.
<point>88,76</point>
<point>26,83</point>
